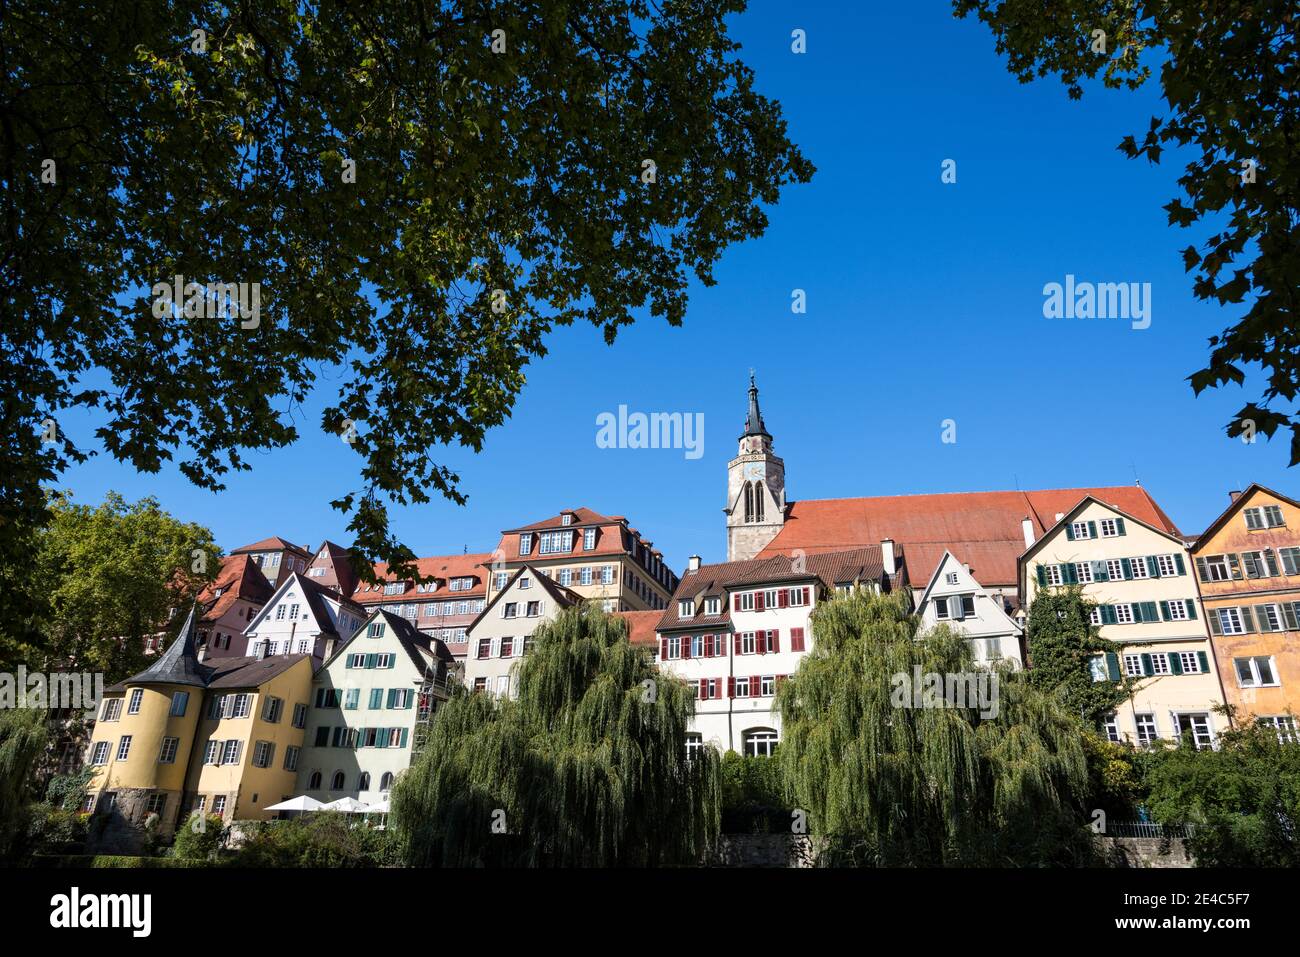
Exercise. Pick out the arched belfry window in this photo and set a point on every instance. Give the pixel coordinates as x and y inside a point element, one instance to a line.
<point>749,501</point>
<point>758,502</point>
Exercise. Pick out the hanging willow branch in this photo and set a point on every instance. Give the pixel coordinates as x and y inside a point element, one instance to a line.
<point>587,767</point>
<point>887,785</point>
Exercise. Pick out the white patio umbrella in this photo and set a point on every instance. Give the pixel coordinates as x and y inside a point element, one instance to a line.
<point>301,803</point>
<point>380,806</point>
<point>348,805</point>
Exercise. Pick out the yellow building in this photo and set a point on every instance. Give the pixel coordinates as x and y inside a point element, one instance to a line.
<point>183,735</point>
<point>1147,606</point>
<point>1248,566</point>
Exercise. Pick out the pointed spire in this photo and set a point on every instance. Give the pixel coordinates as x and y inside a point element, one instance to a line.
<point>179,664</point>
<point>754,420</point>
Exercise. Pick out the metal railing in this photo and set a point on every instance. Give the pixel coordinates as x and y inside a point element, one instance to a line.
<point>1147,829</point>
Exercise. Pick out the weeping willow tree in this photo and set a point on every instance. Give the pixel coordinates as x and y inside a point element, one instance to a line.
<point>587,767</point>
<point>23,735</point>
<point>960,782</point>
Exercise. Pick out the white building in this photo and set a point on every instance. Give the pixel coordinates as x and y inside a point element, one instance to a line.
<point>502,634</point>
<point>371,701</point>
<point>737,629</point>
<point>303,618</point>
<point>954,598</point>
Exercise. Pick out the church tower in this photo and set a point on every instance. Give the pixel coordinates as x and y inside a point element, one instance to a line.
<point>755,488</point>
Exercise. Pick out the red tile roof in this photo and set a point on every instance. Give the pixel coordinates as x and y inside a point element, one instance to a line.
<point>239,578</point>
<point>273,544</point>
<point>982,529</point>
<point>641,626</point>
<point>581,516</point>
<point>440,567</point>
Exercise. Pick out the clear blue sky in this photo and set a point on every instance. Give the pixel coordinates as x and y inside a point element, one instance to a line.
<point>924,304</point>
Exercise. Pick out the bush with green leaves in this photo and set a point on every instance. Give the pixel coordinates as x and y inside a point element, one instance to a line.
<point>753,795</point>
<point>324,840</point>
<point>199,841</point>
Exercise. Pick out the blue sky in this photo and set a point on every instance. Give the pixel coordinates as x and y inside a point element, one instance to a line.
<point>924,304</point>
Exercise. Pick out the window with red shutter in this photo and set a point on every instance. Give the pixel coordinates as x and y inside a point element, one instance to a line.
<point>731,687</point>
<point>783,598</point>
<point>756,686</point>
<point>735,601</point>
<point>796,639</point>
<point>686,646</point>
<point>760,642</point>
<point>774,641</point>
<point>736,636</point>
<point>758,601</point>
<point>663,649</point>
<point>806,597</point>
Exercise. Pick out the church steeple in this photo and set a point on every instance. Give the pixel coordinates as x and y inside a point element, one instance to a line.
<point>754,420</point>
<point>755,487</point>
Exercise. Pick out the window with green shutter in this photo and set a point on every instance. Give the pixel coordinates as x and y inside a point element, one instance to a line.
<point>1153,567</point>
<point>1112,666</point>
<point>1191,608</point>
<point>376,698</point>
<point>1164,611</point>
<point>1147,668</point>
<point>1205,661</point>
<point>1127,564</point>
<point>1149,612</point>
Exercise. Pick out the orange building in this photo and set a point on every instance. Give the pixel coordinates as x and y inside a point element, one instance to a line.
<point>1248,567</point>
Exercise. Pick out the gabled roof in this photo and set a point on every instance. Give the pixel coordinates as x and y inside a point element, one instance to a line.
<point>982,529</point>
<point>423,651</point>
<point>1068,517</point>
<point>1238,503</point>
<point>563,597</point>
<point>581,516</point>
<point>830,568</point>
<point>250,672</point>
<point>240,577</point>
<point>272,544</point>
<point>315,596</point>
<point>340,561</point>
<point>950,560</point>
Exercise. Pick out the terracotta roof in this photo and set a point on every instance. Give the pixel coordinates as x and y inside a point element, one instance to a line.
<point>340,561</point>
<point>273,544</point>
<point>829,568</point>
<point>316,595</point>
<point>563,597</point>
<point>581,516</point>
<point>423,651</point>
<point>982,529</point>
<point>440,567</point>
<point>640,626</point>
<point>240,577</point>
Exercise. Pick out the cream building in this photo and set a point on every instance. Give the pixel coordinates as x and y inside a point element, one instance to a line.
<point>502,634</point>
<point>1148,606</point>
<point>954,598</point>
<point>372,701</point>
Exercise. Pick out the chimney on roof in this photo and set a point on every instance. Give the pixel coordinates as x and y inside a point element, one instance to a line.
<point>1027,526</point>
<point>1234,495</point>
<point>693,563</point>
<point>887,556</point>
<point>967,567</point>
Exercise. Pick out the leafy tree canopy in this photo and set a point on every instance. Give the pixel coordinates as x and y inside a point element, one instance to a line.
<point>421,192</point>
<point>23,734</point>
<point>892,784</point>
<point>110,576</point>
<point>1243,798</point>
<point>587,767</point>
<point>1229,71</point>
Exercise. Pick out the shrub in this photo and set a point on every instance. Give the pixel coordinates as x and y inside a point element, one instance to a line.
<point>320,840</point>
<point>199,843</point>
<point>753,796</point>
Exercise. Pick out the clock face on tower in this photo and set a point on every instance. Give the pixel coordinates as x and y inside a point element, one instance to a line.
<point>754,472</point>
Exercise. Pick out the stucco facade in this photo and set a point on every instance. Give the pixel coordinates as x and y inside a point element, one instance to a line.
<point>954,598</point>
<point>1248,568</point>
<point>1149,609</point>
<point>500,636</point>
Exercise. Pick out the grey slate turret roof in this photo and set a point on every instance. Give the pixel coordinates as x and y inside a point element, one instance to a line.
<point>754,420</point>
<point>179,664</point>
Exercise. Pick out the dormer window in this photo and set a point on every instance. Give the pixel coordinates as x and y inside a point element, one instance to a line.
<point>394,588</point>
<point>525,542</point>
<point>588,539</point>
<point>566,519</point>
<point>712,606</point>
<point>686,608</point>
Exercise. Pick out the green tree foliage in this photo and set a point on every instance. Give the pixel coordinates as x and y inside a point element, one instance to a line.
<point>112,574</point>
<point>422,191</point>
<point>1063,642</point>
<point>1229,71</point>
<point>1243,798</point>
<point>324,840</point>
<point>199,843</point>
<point>1115,780</point>
<point>890,785</point>
<point>23,735</point>
<point>753,795</point>
<point>587,767</point>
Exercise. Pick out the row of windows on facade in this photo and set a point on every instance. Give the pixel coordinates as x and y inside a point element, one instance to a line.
<point>1196,726</point>
<point>562,543</point>
<point>342,736</point>
<point>755,743</point>
<point>237,705</point>
<point>1084,530</point>
<point>399,699</point>
<point>1112,569</point>
<point>715,646</point>
<point>753,686</point>
<point>216,752</point>
<point>1144,612</point>
<point>272,560</point>
<point>504,647</point>
<point>1149,664</point>
<point>1249,619</point>
<point>435,609</point>
<point>338,781</point>
<point>423,588</point>
<point>1234,566</point>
